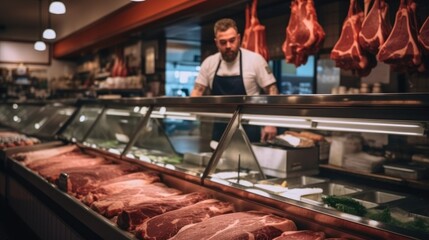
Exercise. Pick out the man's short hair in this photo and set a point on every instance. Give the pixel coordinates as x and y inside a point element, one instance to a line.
<point>224,24</point>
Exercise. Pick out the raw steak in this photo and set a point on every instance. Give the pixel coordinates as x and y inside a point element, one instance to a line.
<point>401,49</point>
<point>241,225</point>
<point>304,34</point>
<point>116,185</point>
<point>254,37</point>
<point>29,157</point>
<point>166,225</point>
<point>112,205</point>
<point>301,235</point>
<point>82,180</point>
<point>424,35</point>
<point>347,53</point>
<point>133,216</point>
<point>375,27</point>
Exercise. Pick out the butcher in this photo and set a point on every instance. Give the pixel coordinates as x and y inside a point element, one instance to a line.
<point>235,71</point>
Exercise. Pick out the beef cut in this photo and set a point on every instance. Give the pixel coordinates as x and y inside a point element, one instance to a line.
<point>424,35</point>
<point>401,49</point>
<point>116,185</point>
<point>82,180</point>
<point>304,34</point>
<point>375,28</point>
<point>29,157</point>
<point>61,159</point>
<point>347,53</point>
<point>112,205</point>
<point>254,38</point>
<point>132,216</point>
<point>301,235</point>
<point>166,225</point>
<point>241,225</point>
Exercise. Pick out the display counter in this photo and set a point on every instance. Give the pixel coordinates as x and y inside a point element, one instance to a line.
<point>208,144</point>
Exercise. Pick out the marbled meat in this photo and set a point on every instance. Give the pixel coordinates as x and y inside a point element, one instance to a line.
<point>241,225</point>
<point>112,205</point>
<point>301,235</point>
<point>116,185</point>
<point>134,215</point>
<point>166,225</point>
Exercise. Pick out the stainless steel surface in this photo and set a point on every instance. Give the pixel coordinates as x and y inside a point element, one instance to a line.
<point>378,197</point>
<point>294,182</point>
<point>330,188</point>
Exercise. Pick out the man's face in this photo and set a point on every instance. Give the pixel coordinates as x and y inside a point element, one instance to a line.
<point>228,44</point>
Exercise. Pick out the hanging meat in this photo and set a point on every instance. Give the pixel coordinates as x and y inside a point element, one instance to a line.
<point>424,35</point>
<point>375,28</point>
<point>254,37</point>
<point>401,48</point>
<point>304,34</point>
<point>347,52</point>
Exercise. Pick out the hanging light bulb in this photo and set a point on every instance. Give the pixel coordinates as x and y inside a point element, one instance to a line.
<point>40,46</point>
<point>57,7</point>
<point>49,33</point>
<point>137,0</point>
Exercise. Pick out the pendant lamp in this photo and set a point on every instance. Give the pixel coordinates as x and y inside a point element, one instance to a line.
<point>40,45</point>
<point>49,33</point>
<point>57,7</point>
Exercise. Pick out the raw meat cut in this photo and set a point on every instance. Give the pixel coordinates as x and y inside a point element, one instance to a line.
<point>424,35</point>
<point>29,157</point>
<point>63,158</point>
<point>132,216</point>
<point>82,180</point>
<point>347,53</point>
<point>116,185</point>
<point>241,225</point>
<point>112,205</point>
<point>401,49</point>
<point>375,27</point>
<point>56,164</point>
<point>304,35</point>
<point>301,235</point>
<point>168,224</point>
<point>254,38</point>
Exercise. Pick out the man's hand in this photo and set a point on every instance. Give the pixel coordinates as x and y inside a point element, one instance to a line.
<point>268,133</point>
<point>198,90</point>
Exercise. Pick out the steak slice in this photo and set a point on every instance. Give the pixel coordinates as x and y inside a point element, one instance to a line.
<point>133,216</point>
<point>29,157</point>
<point>375,27</point>
<point>166,225</point>
<point>241,225</point>
<point>112,205</point>
<point>401,49</point>
<point>116,185</point>
<point>301,235</point>
<point>424,35</point>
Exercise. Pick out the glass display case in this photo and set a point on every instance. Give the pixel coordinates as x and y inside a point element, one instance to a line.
<point>328,149</point>
<point>116,125</point>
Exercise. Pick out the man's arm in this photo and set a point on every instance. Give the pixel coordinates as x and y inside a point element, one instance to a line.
<point>269,132</point>
<point>198,90</point>
<point>271,89</point>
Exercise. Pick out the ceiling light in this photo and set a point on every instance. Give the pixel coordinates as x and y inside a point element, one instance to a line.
<point>49,33</point>
<point>57,7</point>
<point>40,46</point>
<point>137,0</point>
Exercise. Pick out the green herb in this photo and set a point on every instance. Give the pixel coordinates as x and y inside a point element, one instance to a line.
<point>345,204</point>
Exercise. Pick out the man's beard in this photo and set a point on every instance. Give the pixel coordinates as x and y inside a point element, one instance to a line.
<point>229,55</point>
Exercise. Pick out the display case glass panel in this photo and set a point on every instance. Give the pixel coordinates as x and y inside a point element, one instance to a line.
<point>82,123</point>
<point>20,115</point>
<point>115,128</point>
<point>180,138</point>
